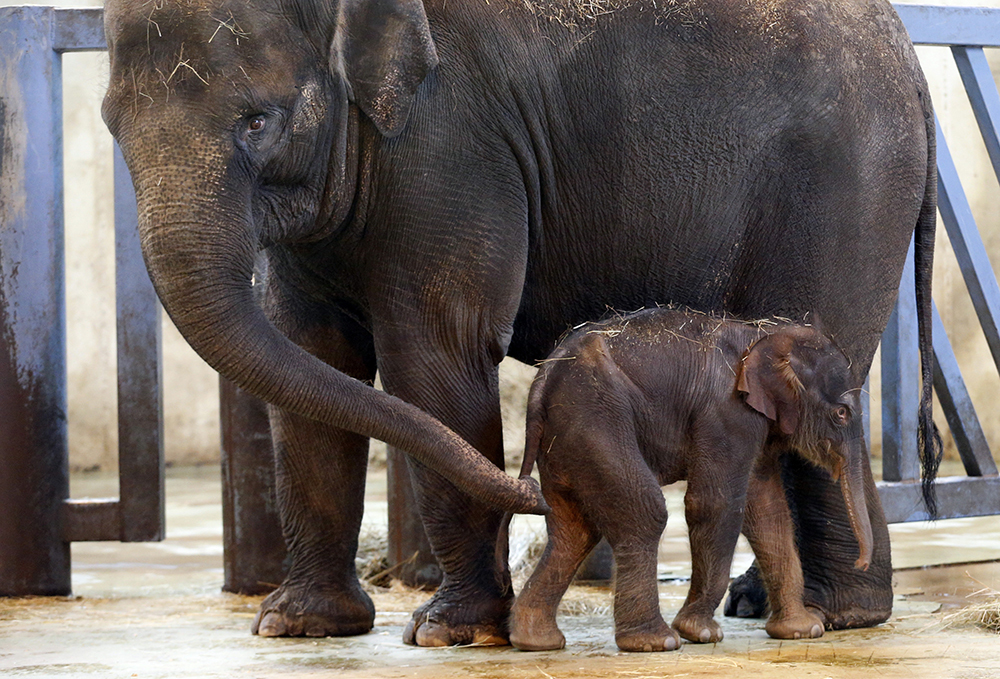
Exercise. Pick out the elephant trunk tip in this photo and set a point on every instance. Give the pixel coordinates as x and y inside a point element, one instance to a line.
<point>862,563</point>
<point>537,504</point>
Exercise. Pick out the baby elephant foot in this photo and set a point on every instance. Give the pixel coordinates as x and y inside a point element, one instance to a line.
<point>303,612</point>
<point>698,629</point>
<point>534,630</point>
<point>799,625</point>
<point>662,638</point>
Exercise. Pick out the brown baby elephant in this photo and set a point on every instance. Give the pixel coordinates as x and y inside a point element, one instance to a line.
<point>628,405</point>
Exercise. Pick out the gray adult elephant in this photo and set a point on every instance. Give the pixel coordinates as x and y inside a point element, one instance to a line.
<point>439,184</point>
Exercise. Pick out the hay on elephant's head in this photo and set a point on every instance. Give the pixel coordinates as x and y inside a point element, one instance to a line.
<point>985,614</point>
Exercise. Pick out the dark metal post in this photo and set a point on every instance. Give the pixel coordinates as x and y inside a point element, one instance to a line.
<point>254,554</point>
<point>34,478</point>
<point>140,383</point>
<point>901,384</point>
<point>410,554</point>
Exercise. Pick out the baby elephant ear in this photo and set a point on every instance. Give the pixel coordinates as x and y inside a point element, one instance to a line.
<point>384,50</point>
<point>768,379</point>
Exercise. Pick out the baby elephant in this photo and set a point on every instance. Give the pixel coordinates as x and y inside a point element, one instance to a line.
<point>625,406</point>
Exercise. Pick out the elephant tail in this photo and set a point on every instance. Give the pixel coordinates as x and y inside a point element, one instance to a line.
<point>532,441</point>
<point>929,438</point>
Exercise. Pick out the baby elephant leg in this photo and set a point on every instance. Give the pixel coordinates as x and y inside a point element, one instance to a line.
<point>633,520</point>
<point>533,618</point>
<point>771,533</point>
<point>713,508</point>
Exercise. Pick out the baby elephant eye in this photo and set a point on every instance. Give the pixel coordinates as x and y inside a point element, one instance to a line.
<point>256,124</point>
<point>841,415</point>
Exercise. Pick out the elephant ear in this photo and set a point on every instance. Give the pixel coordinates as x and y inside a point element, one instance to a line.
<point>383,49</point>
<point>768,379</point>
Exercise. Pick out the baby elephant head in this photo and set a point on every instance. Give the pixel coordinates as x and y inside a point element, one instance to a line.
<point>801,381</point>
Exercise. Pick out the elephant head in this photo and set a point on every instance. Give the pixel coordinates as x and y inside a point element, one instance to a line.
<point>801,381</point>
<point>238,121</point>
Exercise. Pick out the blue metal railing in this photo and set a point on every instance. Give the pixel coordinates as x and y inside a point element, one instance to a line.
<point>966,30</point>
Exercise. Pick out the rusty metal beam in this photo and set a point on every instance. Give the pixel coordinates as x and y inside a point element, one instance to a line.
<point>957,496</point>
<point>88,520</point>
<point>34,476</point>
<point>254,554</point>
<point>140,385</point>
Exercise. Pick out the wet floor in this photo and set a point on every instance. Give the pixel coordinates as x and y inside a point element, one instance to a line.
<point>156,610</point>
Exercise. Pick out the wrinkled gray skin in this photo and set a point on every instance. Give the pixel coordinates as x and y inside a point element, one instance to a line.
<point>641,401</point>
<point>436,185</point>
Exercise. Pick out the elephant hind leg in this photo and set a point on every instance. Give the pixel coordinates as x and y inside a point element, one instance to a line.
<point>571,537</point>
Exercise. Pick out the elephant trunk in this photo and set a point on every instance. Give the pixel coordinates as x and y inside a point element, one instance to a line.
<point>199,251</point>
<point>852,485</point>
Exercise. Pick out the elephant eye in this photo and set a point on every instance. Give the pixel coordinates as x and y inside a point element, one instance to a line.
<point>256,124</point>
<point>841,415</point>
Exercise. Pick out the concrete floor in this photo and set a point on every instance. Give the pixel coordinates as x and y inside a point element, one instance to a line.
<point>156,610</point>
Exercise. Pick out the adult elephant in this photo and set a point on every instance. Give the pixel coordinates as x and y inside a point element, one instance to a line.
<point>438,184</point>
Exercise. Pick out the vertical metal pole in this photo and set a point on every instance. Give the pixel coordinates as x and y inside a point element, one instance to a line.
<point>410,554</point>
<point>34,478</point>
<point>140,385</point>
<point>254,554</point>
<point>901,384</point>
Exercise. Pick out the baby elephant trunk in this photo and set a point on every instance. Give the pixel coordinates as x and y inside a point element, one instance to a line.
<point>852,484</point>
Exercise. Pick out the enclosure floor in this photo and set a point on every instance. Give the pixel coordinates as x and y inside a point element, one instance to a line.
<point>156,610</point>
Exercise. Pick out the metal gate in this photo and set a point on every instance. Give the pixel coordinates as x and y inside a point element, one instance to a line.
<point>966,30</point>
<point>39,521</point>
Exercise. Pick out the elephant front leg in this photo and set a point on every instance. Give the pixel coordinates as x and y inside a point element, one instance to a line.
<point>320,487</point>
<point>768,526</point>
<point>713,507</point>
<point>845,596</point>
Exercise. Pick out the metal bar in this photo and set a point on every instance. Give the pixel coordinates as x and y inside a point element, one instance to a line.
<point>78,30</point>
<point>140,383</point>
<point>901,384</point>
<point>957,496</point>
<point>91,520</point>
<point>983,96</point>
<point>958,408</point>
<point>410,554</point>
<point>254,554</point>
<point>938,25</point>
<point>968,246</point>
<point>34,477</point>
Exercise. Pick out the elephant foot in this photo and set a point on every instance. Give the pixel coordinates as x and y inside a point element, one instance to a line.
<point>747,596</point>
<point>448,619</point>
<point>852,617</point>
<point>535,630</point>
<point>801,624</point>
<point>661,638</point>
<point>301,612</point>
<point>699,629</point>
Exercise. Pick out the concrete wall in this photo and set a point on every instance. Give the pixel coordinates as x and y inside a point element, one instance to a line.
<point>190,387</point>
